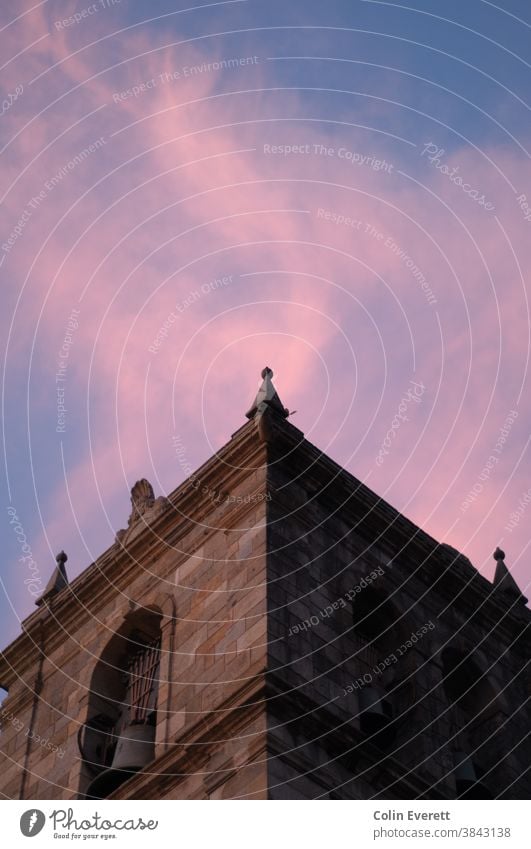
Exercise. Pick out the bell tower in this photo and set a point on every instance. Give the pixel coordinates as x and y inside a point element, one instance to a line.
<point>144,676</point>
<point>271,629</point>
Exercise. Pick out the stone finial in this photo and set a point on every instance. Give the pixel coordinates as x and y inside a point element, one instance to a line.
<point>267,405</point>
<point>504,581</point>
<point>58,580</point>
<point>267,398</point>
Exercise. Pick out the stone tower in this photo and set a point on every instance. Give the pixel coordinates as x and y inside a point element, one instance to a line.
<point>272,629</point>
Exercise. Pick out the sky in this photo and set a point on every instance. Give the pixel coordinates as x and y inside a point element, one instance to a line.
<point>190,192</point>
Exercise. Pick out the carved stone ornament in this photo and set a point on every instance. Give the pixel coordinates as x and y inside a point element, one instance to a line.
<point>142,499</point>
<point>144,509</point>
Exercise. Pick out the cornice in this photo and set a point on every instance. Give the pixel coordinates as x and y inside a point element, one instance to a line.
<point>447,568</point>
<point>343,742</point>
<point>191,751</point>
<point>451,573</point>
<point>118,565</point>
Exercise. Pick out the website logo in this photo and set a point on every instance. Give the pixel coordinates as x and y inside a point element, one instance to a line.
<point>32,822</point>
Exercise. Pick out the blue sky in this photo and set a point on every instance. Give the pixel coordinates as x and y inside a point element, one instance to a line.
<point>376,79</point>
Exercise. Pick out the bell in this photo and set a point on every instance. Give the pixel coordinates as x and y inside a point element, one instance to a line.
<point>374,719</point>
<point>370,701</point>
<point>464,768</point>
<point>372,716</point>
<point>134,750</point>
<point>467,783</point>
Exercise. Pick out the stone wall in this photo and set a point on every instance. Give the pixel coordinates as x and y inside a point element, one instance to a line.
<point>201,564</point>
<point>287,593</point>
<point>337,553</point>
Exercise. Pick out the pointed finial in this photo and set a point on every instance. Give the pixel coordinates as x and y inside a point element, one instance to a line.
<point>267,398</point>
<point>57,582</point>
<point>504,581</point>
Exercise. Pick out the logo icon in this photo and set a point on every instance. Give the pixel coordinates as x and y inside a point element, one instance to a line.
<point>32,822</point>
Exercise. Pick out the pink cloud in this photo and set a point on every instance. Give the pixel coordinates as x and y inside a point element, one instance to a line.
<point>177,208</point>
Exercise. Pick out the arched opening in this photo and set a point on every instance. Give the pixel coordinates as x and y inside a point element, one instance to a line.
<point>118,737</point>
<point>474,718</point>
<point>385,685</point>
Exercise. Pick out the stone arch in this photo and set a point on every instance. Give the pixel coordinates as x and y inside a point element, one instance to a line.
<point>476,715</point>
<point>384,665</point>
<point>123,693</point>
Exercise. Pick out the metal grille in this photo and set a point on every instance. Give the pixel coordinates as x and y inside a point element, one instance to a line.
<point>142,682</point>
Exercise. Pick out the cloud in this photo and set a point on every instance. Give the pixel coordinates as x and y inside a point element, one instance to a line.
<point>181,193</point>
